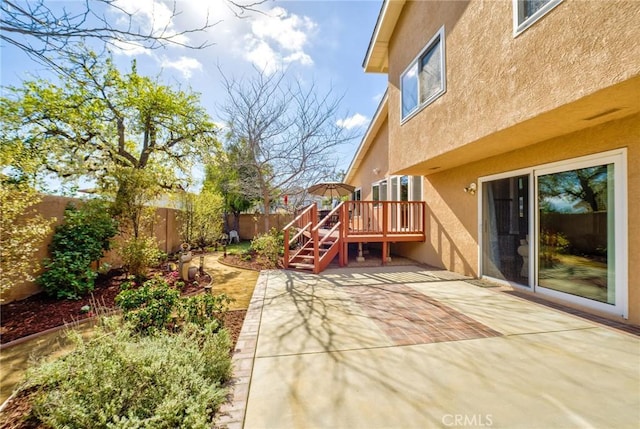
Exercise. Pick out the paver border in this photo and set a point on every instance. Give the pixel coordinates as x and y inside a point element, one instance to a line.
<point>232,412</point>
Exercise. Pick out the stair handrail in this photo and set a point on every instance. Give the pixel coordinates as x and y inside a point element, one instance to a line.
<point>331,213</point>
<point>302,213</point>
<point>300,232</point>
<point>287,242</point>
<point>319,261</point>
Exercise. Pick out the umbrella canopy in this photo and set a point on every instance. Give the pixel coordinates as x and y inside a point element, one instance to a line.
<point>331,189</point>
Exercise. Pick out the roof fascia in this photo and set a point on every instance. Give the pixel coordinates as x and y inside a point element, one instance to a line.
<point>387,18</point>
<point>366,142</point>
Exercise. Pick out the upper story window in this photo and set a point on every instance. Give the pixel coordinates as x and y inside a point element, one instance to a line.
<point>424,80</point>
<point>526,12</point>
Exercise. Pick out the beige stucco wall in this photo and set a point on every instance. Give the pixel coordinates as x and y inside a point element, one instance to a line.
<point>252,225</point>
<point>377,158</point>
<point>166,229</point>
<point>452,215</point>
<point>505,92</point>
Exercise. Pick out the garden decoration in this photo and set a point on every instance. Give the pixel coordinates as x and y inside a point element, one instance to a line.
<point>185,259</point>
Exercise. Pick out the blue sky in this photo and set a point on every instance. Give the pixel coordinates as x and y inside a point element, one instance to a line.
<point>320,41</point>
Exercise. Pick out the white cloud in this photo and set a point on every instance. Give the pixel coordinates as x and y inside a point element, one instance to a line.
<point>277,39</point>
<point>184,65</point>
<point>355,121</point>
<point>130,49</point>
<point>153,16</point>
<point>260,53</point>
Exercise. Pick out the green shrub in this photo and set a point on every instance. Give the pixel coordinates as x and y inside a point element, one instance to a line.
<point>122,380</point>
<point>201,309</point>
<point>269,246</point>
<point>138,254</point>
<point>83,238</point>
<point>156,306</point>
<point>149,308</point>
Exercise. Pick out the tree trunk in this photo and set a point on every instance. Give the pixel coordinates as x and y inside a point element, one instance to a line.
<point>267,204</point>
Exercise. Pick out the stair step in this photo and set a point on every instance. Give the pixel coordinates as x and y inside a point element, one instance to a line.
<point>302,266</point>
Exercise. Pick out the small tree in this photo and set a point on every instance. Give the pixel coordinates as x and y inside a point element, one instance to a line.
<point>229,176</point>
<point>136,190</point>
<point>22,232</point>
<point>202,218</point>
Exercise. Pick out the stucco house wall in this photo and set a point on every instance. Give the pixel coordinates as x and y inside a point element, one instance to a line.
<point>375,163</point>
<point>505,92</point>
<point>452,215</point>
<point>568,86</point>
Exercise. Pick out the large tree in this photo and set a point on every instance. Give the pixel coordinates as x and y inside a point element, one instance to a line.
<point>288,132</point>
<point>100,122</point>
<point>40,28</point>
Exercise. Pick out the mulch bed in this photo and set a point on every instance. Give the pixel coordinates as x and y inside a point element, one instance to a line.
<point>40,312</point>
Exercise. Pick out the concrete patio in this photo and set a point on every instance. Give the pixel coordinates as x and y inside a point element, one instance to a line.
<point>413,347</point>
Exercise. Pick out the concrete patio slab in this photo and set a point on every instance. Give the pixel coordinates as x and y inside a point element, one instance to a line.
<point>329,355</point>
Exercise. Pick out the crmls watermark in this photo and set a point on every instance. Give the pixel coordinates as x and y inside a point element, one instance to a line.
<point>467,420</point>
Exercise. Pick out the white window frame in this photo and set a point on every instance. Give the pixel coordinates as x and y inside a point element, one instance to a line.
<point>519,27</point>
<point>439,37</point>
<point>411,185</point>
<point>378,185</point>
<point>619,158</point>
<point>357,191</point>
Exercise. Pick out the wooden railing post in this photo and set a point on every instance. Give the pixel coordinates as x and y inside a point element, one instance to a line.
<point>286,248</point>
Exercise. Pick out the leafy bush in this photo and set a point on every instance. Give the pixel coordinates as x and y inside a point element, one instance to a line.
<point>122,380</point>
<point>138,254</point>
<point>81,239</point>
<point>269,246</point>
<point>155,306</point>
<point>149,307</point>
<point>201,309</point>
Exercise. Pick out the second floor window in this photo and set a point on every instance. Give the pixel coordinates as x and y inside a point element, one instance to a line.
<point>424,79</point>
<point>526,12</point>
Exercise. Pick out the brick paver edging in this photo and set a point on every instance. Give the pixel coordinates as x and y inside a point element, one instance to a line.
<point>232,412</point>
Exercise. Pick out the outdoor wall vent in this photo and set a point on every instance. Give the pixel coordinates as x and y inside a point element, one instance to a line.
<point>601,114</point>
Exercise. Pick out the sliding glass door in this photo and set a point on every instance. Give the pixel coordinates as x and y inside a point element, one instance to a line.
<point>505,229</point>
<point>560,229</point>
<point>577,231</point>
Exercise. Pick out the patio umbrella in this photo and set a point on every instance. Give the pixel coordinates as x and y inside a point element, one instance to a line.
<point>331,189</point>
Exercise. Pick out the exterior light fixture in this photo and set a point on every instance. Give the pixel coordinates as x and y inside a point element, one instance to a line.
<point>471,189</point>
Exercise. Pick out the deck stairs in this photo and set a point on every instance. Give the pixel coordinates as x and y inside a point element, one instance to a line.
<point>312,242</point>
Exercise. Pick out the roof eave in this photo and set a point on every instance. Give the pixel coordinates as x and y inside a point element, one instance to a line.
<point>377,57</point>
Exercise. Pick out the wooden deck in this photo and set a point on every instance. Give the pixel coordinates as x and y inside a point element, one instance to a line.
<point>313,240</point>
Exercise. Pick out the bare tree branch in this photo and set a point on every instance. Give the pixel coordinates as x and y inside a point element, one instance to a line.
<point>40,30</point>
<point>289,133</point>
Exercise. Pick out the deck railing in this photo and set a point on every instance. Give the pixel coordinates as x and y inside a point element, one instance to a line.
<point>384,218</point>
